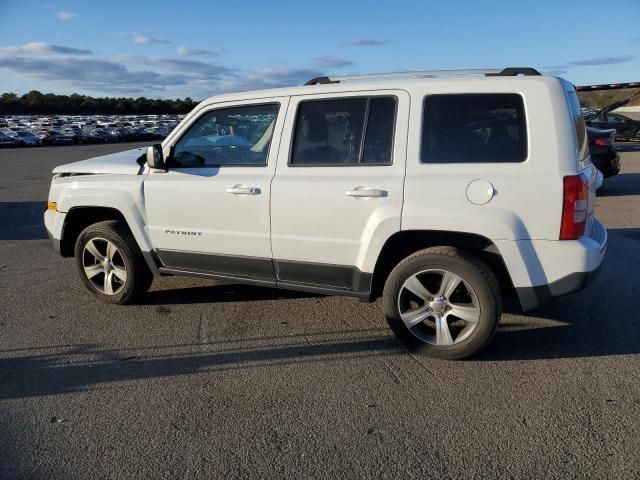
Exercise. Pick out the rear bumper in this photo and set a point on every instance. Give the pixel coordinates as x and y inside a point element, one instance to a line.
<point>580,260</point>
<point>535,297</point>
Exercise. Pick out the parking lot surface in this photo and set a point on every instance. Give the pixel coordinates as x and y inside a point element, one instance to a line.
<point>215,380</point>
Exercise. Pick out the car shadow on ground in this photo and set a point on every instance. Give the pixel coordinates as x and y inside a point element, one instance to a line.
<point>223,293</point>
<point>22,221</point>
<point>600,321</point>
<point>620,185</point>
<point>83,367</point>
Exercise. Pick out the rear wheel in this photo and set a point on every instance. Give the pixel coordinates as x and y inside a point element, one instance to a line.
<point>110,263</point>
<point>442,303</point>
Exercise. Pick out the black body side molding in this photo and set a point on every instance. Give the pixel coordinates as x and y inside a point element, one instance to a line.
<point>303,276</point>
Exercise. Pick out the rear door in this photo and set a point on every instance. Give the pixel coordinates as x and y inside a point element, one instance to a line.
<point>337,193</point>
<point>468,167</point>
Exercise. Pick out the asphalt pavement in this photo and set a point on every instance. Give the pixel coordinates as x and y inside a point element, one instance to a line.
<point>211,380</point>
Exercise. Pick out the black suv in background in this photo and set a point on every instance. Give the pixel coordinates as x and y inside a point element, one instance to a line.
<point>603,151</point>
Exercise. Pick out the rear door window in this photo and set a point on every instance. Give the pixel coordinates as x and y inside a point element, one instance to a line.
<point>474,128</point>
<point>344,131</point>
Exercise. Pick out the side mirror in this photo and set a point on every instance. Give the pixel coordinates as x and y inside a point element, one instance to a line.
<point>154,157</point>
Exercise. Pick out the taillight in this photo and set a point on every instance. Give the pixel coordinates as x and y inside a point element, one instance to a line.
<point>601,142</point>
<point>574,207</point>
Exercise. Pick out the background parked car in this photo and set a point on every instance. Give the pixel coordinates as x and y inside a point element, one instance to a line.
<point>7,140</point>
<point>25,138</point>
<point>626,128</point>
<point>45,138</point>
<point>87,136</point>
<point>66,129</point>
<point>60,138</point>
<point>603,151</point>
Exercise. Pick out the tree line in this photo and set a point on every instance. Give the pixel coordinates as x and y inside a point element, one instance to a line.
<point>36,102</point>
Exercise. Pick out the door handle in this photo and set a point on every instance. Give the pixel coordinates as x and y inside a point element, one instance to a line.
<point>239,190</point>
<point>366,192</point>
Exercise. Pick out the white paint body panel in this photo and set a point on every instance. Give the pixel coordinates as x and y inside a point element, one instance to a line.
<point>54,222</point>
<point>195,200</point>
<point>121,192</point>
<point>312,218</point>
<point>120,163</point>
<point>303,214</point>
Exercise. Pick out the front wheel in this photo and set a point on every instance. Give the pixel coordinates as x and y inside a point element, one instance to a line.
<point>110,263</point>
<point>442,303</point>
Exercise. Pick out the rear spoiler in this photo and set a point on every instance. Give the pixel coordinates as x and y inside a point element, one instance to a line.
<point>610,86</point>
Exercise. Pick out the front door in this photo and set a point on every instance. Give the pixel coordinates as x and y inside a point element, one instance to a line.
<point>210,211</point>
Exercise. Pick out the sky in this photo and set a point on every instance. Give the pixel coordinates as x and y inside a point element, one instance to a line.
<point>201,48</point>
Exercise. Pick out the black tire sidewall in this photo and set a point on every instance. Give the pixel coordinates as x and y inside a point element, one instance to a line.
<point>469,269</point>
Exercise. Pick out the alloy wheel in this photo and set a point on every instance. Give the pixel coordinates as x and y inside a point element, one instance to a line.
<point>104,266</point>
<point>438,307</point>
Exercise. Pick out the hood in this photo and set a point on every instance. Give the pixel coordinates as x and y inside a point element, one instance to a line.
<point>120,163</point>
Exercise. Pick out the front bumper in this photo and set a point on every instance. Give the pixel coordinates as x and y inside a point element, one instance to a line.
<point>587,254</point>
<point>54,223</point>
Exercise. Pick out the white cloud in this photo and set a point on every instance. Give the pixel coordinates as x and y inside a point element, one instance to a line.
<point>267,78</point>
<point>59,67</point>
<point>63,15</point>
<point>187,52</point>
<point>367,42</point>
<point>331,62</point>
<point>603,60</point>
<point>143,39</point>
<point>563,69</point>
<point>43,48</point>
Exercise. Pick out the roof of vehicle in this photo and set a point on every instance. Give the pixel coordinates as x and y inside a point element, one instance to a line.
<point>389,81</point>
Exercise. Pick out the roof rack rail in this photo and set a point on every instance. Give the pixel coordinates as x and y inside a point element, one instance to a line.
<point>496,72</point>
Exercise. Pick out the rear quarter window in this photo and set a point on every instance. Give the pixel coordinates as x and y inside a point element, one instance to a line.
<point>474,128</point>
<point>578,122</point>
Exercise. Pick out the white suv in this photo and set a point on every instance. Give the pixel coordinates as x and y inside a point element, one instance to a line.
<point>435,190</point>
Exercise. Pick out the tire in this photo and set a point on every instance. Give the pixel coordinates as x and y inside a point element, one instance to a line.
<point>128,277</point>
<point>415,318</point>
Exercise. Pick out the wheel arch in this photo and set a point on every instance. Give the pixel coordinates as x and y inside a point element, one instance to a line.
<point>80,217</point>
<point>406,242</point>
